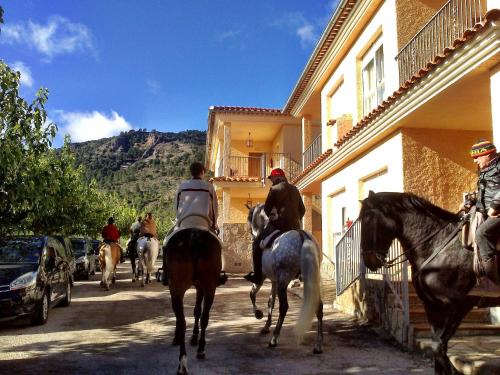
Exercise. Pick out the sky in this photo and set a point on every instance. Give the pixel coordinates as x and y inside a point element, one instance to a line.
<point>117,65</point>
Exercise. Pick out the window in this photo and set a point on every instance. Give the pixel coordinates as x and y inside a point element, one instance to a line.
<point>373,77</point>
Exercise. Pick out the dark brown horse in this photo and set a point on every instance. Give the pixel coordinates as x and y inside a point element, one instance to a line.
<point>442,271</point>
<point>192,257</point>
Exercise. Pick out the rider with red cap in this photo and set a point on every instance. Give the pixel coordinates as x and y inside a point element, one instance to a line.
<point>285,210</point>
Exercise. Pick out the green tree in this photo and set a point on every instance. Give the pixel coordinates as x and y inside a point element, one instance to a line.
<point>24,139</point>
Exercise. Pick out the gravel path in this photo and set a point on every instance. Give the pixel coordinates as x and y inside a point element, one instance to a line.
<point>129,330</point>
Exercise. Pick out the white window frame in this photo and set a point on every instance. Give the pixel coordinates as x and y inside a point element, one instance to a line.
<point>373,76</point>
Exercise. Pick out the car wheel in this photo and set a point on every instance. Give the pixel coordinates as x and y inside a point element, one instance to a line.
<point>67,298</point>
<point>41,311</point>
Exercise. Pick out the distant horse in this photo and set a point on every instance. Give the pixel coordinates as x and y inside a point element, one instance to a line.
<point>109,257</point>
<point>442,270</point>
<point>147,252</point>
<point>292,253</point>
<point>192,257</point>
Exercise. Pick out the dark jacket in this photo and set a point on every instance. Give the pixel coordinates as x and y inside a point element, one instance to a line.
<point>488,185</point>
<point>288,202</point>
<point>495,203</point>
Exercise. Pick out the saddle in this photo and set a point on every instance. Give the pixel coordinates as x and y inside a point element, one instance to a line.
<point>269,240</point>
<point>468,238</point>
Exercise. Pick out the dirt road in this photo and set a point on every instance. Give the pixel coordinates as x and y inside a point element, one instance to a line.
<point>129,330</point>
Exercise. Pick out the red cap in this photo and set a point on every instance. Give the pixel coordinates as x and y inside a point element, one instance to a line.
<point>277,172</point>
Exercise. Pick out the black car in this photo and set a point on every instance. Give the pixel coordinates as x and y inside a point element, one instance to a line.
<point>84,257</point>
<point>68,255</point>
<point>34,276</point>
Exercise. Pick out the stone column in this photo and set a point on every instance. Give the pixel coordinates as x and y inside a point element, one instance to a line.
<point>495,104</point>
<point>226,205</point>
<point>307,221</point>
<point>226,152</point>
<point>306,135</point>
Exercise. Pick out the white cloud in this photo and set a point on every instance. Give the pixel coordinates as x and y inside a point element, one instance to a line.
<point>59,36</point>
<point>307,35</point>
<point>86,126</point>
<point>26,77</point>
<point>301,27</point>
<point>154,87</point>
<point>228,34</point>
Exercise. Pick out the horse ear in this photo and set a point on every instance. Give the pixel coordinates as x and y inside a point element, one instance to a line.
<point>371,194</point>
<point>248,206</point>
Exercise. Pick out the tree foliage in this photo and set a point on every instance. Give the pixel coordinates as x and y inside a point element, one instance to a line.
<point>42,191</point>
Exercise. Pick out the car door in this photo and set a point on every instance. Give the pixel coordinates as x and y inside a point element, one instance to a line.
<point>54,269</point>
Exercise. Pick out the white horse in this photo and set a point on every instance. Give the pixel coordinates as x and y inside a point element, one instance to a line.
<point>109,256</point>
<point>147,252</point>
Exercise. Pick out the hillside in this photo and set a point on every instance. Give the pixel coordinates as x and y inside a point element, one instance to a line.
<point>143,167</point>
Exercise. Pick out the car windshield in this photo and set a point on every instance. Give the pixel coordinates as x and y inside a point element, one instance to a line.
<point>78,247</point>
<point>20,250</point>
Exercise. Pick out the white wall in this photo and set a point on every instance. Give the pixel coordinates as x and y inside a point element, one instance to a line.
<point>380,169</point>
<point>382,25</point>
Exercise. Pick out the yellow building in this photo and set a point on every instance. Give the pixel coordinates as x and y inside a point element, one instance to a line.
<point>402,89</point>
<point>391,99</point>
<point>243,145</point>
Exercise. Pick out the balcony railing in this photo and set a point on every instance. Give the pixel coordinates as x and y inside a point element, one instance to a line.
<point>312,152</point>
<point>448,24</point>
<point>260,166</point>
<point>246,166</point>
<point>285,162</point>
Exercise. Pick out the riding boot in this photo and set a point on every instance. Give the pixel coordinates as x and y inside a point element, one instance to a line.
<point>256,277</point>
<point>489,284</point>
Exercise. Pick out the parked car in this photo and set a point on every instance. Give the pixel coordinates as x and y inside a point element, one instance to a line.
<point>95,247</point>
<point>84,257</point>
<point>69,256</point>
<point>34,276</point>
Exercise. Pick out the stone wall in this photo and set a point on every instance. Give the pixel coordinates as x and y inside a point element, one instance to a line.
<point>237,249</point>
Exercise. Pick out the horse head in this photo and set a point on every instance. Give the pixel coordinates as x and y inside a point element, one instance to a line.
<point>256,219</point>
<point>378,229</point>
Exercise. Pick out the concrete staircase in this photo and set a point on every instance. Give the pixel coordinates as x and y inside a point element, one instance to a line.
<point>476,323</point>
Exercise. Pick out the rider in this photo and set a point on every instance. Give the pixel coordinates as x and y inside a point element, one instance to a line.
<point>196,204</point>
<point>148,226</point>
<point>285,210</point>
<point>135,231</point>
<point>488,204</point>
<point>111,234</point>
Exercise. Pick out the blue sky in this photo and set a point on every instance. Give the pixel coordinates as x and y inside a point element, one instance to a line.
<point>114,65</point>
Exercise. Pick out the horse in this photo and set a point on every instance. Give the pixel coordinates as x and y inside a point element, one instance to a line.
<point>292,253</point>
<point>192,256</point>
<point>109,257</point>
<point>147,252</point>
<point>442,269</point>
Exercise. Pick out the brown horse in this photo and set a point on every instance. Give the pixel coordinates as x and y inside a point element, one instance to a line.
<point>192,257</point>
<point>109,257</point>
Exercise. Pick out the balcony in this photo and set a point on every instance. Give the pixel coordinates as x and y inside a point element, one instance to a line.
<point>448,24</point>
<point>312,152</point>
<point>259,166</point>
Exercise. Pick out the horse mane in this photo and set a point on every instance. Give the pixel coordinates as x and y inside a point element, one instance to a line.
<point>410,201</point>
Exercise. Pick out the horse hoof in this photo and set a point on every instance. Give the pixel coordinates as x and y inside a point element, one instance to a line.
<point>264,331</point>
<point>200,355</point>
<point>194,340</point>
<point>107,288</point>
<point>259,314</point>
<point>101,283</point>
<point>272,344</point>
<point>317,351</point>
<point>133,280</point>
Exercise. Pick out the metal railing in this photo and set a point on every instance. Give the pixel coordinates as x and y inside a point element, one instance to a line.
<point>246,166</point>
<point>448,24</point>
<point>285,162</point>
<point>312,152</point>
<point>350,267</point>
<point>348,263</point>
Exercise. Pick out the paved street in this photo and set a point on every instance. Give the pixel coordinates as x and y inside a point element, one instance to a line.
<point>129,330</point>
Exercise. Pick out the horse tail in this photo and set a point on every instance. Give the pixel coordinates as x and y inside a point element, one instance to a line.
<point>311,275</point>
